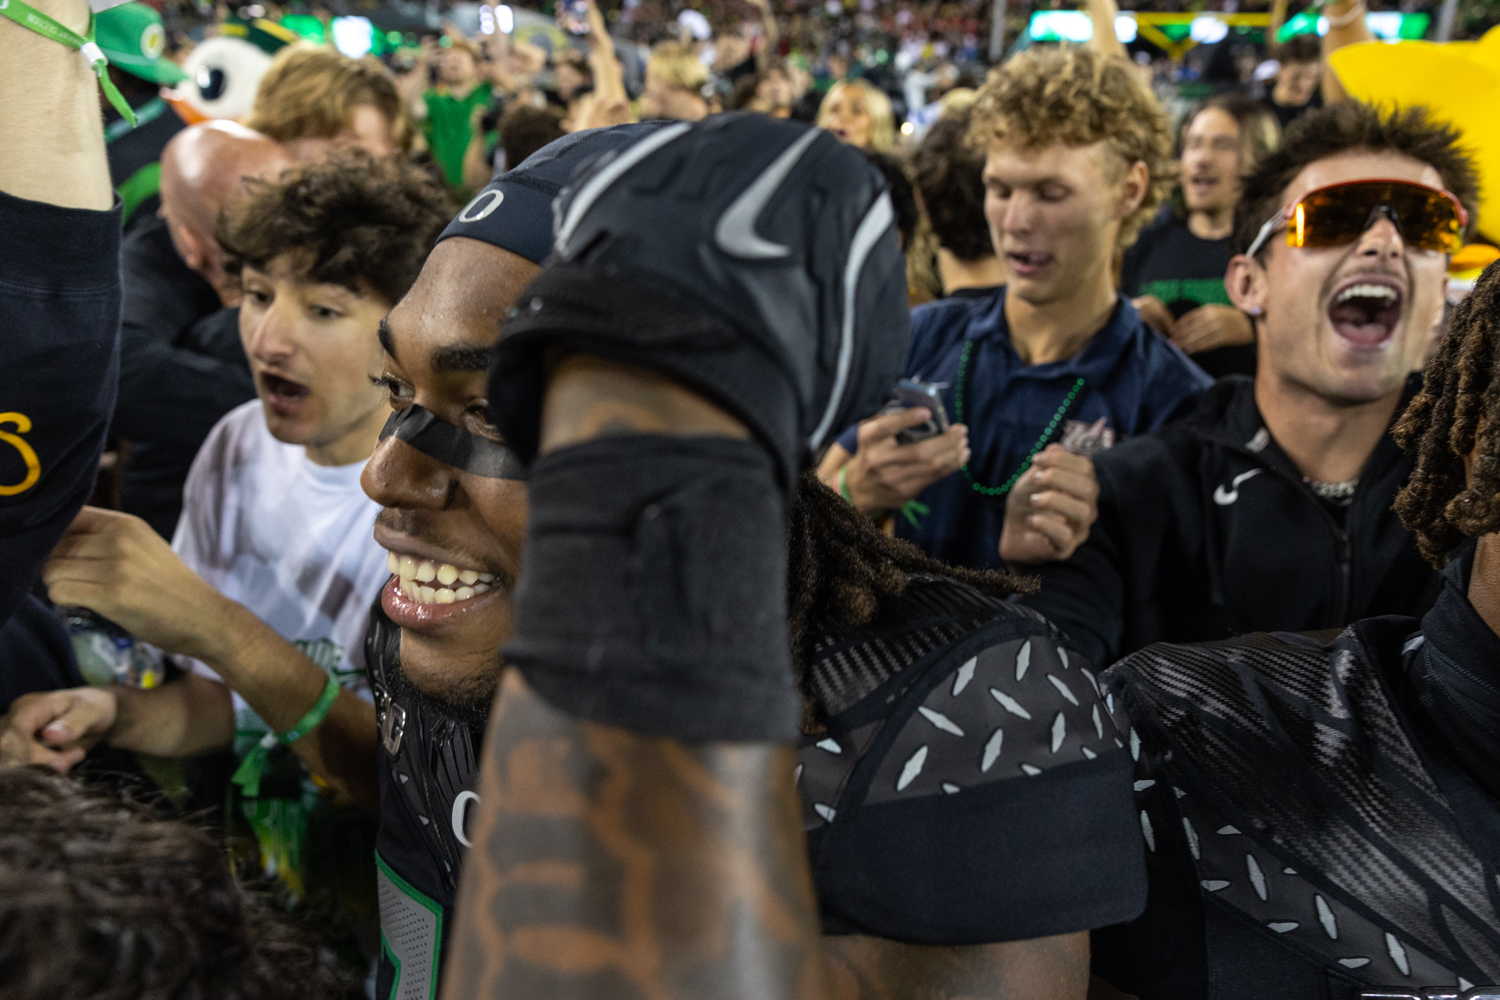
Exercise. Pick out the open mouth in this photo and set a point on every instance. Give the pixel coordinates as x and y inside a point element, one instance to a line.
<point>1366,312</point>
<point>1028,263</point>
<point>282,393</point>
<point>428,582</point>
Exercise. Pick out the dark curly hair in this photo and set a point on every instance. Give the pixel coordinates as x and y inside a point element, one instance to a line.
<point>1340,128</point>
<point>948,174</point>
<point>1457,410</point>
<point>101,898</point>
<point>840,567</point>
<point>362,223</point>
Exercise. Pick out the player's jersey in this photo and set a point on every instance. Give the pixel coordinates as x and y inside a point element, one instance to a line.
<point>970,786</point>
<point>1312,832</point>
<point>429,770</point>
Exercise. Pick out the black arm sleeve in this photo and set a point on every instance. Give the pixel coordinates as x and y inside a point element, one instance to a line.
<point>992,802</point>
<point>59,325</point>
<point>1084,596</point>
<point>1456,677</point>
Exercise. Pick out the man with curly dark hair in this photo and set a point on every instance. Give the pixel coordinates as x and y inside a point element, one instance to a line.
<point>1270,506</point>
<point>1322,809</point>
<point>100,897</point>
<point>1056,364</point>
<point>263,595</point>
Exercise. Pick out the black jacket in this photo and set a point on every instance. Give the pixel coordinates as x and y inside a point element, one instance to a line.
<point>181,369</point>
<point>1207,530</point>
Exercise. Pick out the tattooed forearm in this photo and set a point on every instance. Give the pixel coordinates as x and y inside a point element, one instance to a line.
<point>866,968</point>
<point>606,864</point>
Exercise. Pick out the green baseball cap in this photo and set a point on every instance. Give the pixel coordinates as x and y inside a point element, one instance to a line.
<point>133,38</point>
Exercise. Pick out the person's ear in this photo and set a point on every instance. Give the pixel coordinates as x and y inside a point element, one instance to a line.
<point>1136,183</point>
<point>189,247</point>
<point>1245,281</point>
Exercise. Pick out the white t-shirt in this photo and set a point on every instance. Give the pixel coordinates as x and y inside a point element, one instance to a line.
<point>287,538</point>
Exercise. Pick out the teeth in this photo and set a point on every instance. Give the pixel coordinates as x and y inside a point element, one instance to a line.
<point>1366,292</point>
<point>429,582</point>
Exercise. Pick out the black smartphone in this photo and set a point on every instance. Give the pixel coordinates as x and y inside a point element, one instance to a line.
<point>911,394</point>
<point>575,18</point>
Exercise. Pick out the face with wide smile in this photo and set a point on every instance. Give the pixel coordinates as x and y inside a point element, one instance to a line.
<point>1350,322</point>
<point>453,538</point>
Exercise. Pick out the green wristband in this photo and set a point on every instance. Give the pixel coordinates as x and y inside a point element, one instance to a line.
<point>28,16</point>
<point>254,764</point>
<point>843,486</point>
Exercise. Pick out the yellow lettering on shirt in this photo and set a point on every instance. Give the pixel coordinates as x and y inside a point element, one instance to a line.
<point>33,466</point>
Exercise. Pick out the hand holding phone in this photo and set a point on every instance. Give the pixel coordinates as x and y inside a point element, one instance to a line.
<point>911,394</point>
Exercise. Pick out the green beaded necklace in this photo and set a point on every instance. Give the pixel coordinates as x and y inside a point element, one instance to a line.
<point>1053,426</point>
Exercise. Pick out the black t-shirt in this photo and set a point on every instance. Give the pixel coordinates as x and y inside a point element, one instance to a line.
<point>970,786</point>
<point>1316,827</point>
<point>59,324</point>
<point>135,156</point>
<point>1185,271</point>
<point>1286,114</point>
<point>181,368</point>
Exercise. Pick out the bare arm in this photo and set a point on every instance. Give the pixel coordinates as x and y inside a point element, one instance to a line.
<point>1054,968</point>
<point>609,78</point>
<point>1346,26</point>
<point>1273,29</point>
<point>119,567</point>
<point>1102,14</point>
<point>49,115</point>
<point>189,716</point>
<point>58,728</point>
<point>607,864</point>
<point>611,864</point>
<point>770,34</point>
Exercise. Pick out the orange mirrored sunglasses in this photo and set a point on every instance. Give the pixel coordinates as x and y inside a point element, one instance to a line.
<point>1427,218</point>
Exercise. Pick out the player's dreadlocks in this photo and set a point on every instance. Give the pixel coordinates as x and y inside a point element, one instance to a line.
<point>839,566</point>
<point>1457,409</point>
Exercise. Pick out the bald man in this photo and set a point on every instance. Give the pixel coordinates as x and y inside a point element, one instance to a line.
<point>181,363</point>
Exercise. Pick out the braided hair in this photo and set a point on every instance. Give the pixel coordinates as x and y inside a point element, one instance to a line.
<point>1457,414</point>
<point>839,567</point>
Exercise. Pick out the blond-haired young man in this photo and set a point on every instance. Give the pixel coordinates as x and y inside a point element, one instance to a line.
<point>314,99</point>
<point>1056,365</point>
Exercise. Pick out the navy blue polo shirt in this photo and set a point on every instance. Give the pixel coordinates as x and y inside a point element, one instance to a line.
<point>1134,380</point>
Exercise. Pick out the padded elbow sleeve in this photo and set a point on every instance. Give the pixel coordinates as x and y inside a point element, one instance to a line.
<point>654,592</point>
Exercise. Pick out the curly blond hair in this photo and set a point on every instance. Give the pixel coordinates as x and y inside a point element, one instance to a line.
<point>1078,97</point>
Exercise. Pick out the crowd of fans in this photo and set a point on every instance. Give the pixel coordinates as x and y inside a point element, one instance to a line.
<point>749,501</point>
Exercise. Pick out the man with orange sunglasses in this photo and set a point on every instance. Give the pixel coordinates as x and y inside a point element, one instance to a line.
<point>1269,508</point>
